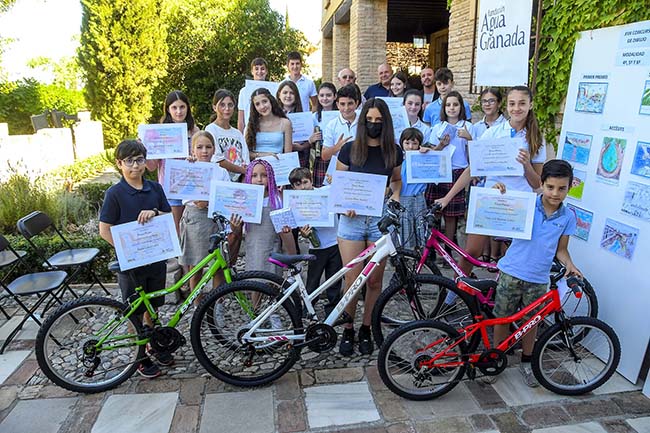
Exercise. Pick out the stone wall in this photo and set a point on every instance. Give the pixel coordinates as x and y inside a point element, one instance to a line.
<point>368,26</point>
<point>461,32</point>
<point>402,55</point>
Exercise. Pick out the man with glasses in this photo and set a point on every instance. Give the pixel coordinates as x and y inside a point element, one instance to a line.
<point>346,76</point>
<point>135,198</point>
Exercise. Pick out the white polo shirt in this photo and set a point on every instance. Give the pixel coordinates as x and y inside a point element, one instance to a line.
<point>338,126</point>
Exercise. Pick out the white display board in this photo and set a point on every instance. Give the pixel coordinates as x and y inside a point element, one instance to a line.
<point>606,123</point>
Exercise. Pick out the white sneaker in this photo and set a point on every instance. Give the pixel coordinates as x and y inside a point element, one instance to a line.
<point>219,315</point>
<point>527,373</point>
<point>276,322</point>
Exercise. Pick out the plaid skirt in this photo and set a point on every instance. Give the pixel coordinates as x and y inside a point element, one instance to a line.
<point>412,220</point>
<point>320,168</point>
<point>457,205</point>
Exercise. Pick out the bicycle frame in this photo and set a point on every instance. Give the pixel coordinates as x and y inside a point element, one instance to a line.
<point>547,304</point>
<point>219,263</point>
<point>377,252</point>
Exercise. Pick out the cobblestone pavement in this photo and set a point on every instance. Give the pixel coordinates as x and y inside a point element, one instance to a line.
<point>322,393</point>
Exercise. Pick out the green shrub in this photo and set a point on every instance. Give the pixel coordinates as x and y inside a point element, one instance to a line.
<point>93,193</point>
<point>69,175</point>
<point>53,244</point>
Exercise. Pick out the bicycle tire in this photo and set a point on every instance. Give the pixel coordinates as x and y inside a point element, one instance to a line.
<point>60,345</point>
<point>273,280</point>
<point>399,360</point>
<point>396,305</point>
<point>562,366</point>
<point>216,343</point>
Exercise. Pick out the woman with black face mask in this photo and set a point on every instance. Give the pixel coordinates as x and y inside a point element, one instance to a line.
<point>373,151</point>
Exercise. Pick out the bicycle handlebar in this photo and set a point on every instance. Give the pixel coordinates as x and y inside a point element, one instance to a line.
<point>392,218</point>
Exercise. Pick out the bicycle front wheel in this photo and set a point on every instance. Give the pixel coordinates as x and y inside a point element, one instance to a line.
<point>567,367</point>
<point>225,315</point>
<point>403,360</point>
<point>585,306</point>
<point>422,298</point>
<point>68,349</point>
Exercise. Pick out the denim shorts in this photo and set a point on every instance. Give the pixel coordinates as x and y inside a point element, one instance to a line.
<point>359,228</point>
<point>175,202</point>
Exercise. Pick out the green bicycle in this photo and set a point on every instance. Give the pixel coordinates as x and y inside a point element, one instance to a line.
<point>93,344</point>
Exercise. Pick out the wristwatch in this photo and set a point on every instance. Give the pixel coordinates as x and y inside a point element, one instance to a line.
<point>156,211</point>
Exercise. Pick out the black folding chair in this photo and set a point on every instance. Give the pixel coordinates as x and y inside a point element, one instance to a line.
<point>44,285</point>
<point>73,259</point>
<point>9,259</point>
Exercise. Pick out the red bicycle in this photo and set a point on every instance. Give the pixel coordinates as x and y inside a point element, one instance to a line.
<point>426,359</point>
<point>433,298</point>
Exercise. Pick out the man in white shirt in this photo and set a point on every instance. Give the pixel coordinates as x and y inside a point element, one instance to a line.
<point>306,86</point>
<point>428,85</point>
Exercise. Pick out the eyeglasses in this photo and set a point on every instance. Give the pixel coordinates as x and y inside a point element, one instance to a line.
<point>130,162</point>
<point>488,101</point>
<point>347,77</point>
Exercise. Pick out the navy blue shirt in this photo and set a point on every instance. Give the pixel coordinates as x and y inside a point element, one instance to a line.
<point>123,203</point>
<point>375,90</point>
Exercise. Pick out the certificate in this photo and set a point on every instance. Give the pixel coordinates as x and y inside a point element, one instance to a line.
<point>331,168</point>
<point>392,102</point>
<point>327,116</point>
<point>282,218</point>
<point>496,157</point>
<point>142,244</point>
<point>361,192</point>
<point>433,166</point>
<point>302,125</point>
<point>282,166</point>
<point>227,198</point>
<point>253,85</point>
<point>507,215</point>
<point>164,140</point>
<point>400,121</point>
<point>186,180</point>
<point>449,129</point>
<point>310,206</point>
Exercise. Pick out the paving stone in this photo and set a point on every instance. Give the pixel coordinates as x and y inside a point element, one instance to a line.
<point>374,380</point>
<point>481,422</point>
<point>7,396</point>
<point>544,416</point>
<point>369,429</point>
<point>445,425</point>
<point>592,409</point>
<point>192,391</point>
<point>84,414</point>
<point>620,426</point>
<point>51,413</point>
<point>158,385</point>
<point>29,392</point>
<point>28,332</point>
<point>9,362</point>
<point>307,377</point>
<point>641,425</point>
<point>507,422</point>
<point>348,403</point>
<point>588,427</point>
<point>339,375</point>
<point>616,383</point>
<point>515,392</point>
<point>400,428</point>
<point>391,406</point>
<point>142,413</point>
<point>485,395</point>
<point>23,373</point>
<point>186,419</point>
<point>633,403</point>
<point>458,400</point>
<point>54,391</point>
<point>223,412</point>
<point>291,416</point>
<point>288,387</point>
<point>214,386</point>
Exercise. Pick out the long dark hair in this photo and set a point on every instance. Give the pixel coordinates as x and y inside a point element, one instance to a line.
<point>219,95</point>
<point>403,78</point>
<point>359,151</point>
<point>172,97</point>
<point>462,115</point>
<point>533,133</point>
<point>319,108</point>
<point>297,105</point>
<point>254,117</point>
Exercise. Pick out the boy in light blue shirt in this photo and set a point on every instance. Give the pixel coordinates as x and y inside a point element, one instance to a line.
<point>526,265</point>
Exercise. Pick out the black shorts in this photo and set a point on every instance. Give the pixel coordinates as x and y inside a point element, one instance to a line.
<point>151,277</point>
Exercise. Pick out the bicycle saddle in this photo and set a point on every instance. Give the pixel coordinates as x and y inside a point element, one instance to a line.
<point>482,286</point>
<point>114,266</point>
<point>285,260</point>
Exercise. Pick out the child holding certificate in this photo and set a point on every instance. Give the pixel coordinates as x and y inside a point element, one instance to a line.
<point>328,258</point>
<point>412,194</point>
<point>135,198</point>
<point>176,109</point>
<point>522,123</point>
<point>289,100</point>
<point>413,104</point>
<point>452,130</point>
<point>196,226</point>
<point>525,267</point>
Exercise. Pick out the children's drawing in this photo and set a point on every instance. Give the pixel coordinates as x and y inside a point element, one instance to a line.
<point>636,201</point>
<point>578,184</point>
<point>645,99</point>
<point>619,238</point>
<point>584,219</point>
<point>591,97</point>
<point>641,163</point>
<point>576,148</point>
<point>610,160</point>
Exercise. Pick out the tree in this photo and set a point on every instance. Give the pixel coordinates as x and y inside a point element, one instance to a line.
<point>6,4</point>
<point>121,51</point>
<point>211,44</point>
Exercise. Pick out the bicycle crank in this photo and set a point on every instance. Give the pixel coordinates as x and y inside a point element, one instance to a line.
<point>319,338</point>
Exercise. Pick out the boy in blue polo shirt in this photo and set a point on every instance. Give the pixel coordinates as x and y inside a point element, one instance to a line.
<point>135,198</point>
<point>525,267</point>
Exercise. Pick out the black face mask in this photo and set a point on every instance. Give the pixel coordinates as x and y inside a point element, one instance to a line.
<point>374,129</point>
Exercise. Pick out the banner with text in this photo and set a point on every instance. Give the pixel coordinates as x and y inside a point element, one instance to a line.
<point>503,37</point>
